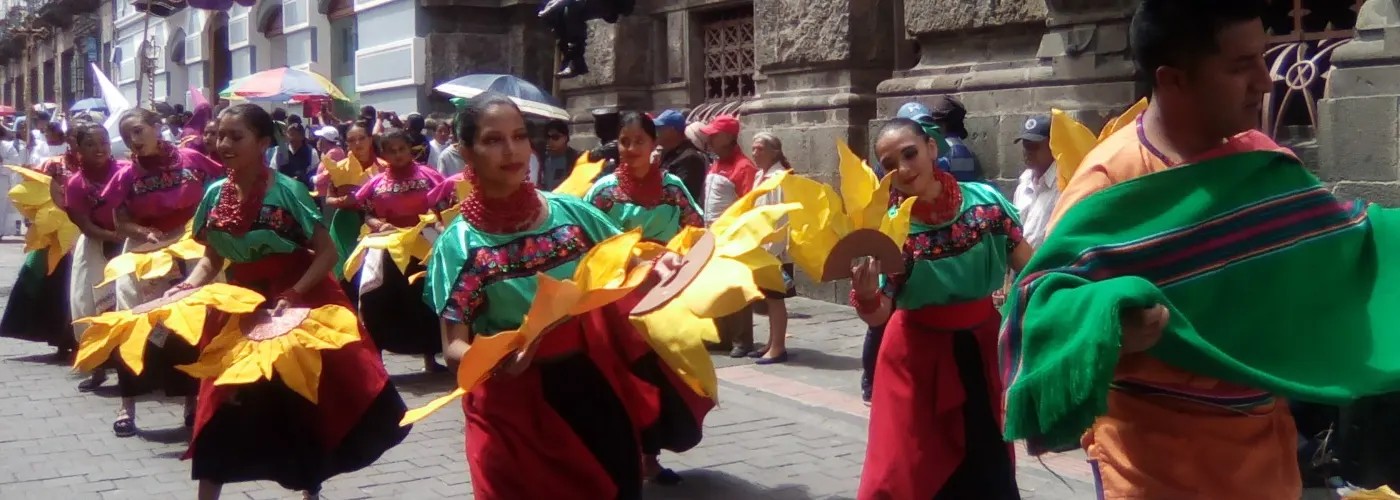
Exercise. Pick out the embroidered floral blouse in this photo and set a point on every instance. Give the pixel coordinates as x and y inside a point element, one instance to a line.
<point>400,201</point>
<point>285,223</point>
<point>962,260</point>
<point>164,199</point>
<point>488,280</point>
<point>659,223</point>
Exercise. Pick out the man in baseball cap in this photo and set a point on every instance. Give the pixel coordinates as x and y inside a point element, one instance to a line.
<point>679,157</point>
<point>731,176</point>
<point>921,114</point>
<point>1037,190</point>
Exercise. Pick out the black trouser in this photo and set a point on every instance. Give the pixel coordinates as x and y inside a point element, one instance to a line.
<point>870,353</point>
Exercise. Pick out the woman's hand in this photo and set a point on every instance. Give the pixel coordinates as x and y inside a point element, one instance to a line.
<point>865,278</point>
<point>1142,328</point>
<point>667,265</point>
<point>151,235</point>
<point>182,286</point>
<point>281,307</point>
<point>514,364</point>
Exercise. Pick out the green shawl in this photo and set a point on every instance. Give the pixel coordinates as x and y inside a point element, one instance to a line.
<point>344,228</point>
<point>1271,282</point>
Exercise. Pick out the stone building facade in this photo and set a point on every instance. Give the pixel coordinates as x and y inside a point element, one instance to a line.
<point>816,72</point>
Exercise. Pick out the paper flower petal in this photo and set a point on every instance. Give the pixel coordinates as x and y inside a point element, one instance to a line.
<point>159,265</point>
<point>896,225</point>
<point>300,370</point>
<point>679,337</point>
<point>1070,141</point>
<point>751,228</point>
<point>581,178</point>
<point>133,347</point>
<point>484,355</point>
<point>413,416</point>
<point>858,182</point>
<point>722,288</point>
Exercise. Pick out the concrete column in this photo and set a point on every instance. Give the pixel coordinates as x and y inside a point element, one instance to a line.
<point>820,64</point>
<point>1011,59</point>
<point>621,59</point>
<point>1357,130</point>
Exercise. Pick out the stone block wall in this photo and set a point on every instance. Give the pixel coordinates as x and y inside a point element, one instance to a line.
<point>1358,143</point>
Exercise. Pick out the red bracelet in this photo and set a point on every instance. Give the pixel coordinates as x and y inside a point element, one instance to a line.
<point>866,306</point>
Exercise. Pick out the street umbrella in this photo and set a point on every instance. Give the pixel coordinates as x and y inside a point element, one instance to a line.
<point>89,104</point>
<point>530,98</point>
<point>7,110</point>
<point>281,85</point>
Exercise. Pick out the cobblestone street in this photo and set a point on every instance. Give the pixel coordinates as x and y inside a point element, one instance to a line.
<point>794,431</point>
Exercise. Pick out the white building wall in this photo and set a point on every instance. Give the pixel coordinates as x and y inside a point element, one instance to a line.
<point>390,43</point>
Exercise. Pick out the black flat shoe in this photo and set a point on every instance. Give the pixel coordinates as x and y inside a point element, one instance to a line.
<point>124,427</point>
<point>91,384</point>
<point>781,358</point>
<point>667,477</point>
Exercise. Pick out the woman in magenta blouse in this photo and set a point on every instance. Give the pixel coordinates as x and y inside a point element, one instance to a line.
<point>154,198</point>
<point>392,308</point>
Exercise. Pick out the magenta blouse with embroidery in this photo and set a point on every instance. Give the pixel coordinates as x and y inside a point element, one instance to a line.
<point>399,201</point>
<point>85,197</point>
<point>167,198</point>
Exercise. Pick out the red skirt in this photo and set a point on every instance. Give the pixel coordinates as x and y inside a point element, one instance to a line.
<point>353,381</point>
<point>569,427</point>
<point>680,424</point>
<point>935,418</point>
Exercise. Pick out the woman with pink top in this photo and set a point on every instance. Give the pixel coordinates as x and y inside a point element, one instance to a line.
<point>154,198</point>
<point>392,308</point>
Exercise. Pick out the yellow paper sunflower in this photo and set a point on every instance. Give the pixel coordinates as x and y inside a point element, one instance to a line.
<point>738,271</point>
<point>826,218</point>
<point>51,230</point>
<point>252,347</point>
<point>345,173</point>
<point>153,265</point>
<point>581,177</point>
<point>403,245</point>
<point>1071,141</point>
<point>130,330</point>
<point>600,278</point>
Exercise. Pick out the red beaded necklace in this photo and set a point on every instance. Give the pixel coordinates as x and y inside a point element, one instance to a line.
<point>645,191</point>
<point>511,214</point>
<point>236,216</point>
<point>942,209</point>
<point>167,157</point>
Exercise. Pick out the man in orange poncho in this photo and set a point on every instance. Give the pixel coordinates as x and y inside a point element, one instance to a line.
<point>1169,433</point>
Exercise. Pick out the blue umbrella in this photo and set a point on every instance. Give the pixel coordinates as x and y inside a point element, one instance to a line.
<point>89,104</point>
<point>530,98</point>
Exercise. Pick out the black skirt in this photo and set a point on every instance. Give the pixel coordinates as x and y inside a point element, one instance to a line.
<point>159,373</point>
<point>37,309</point>
<point>675,428</point>
<point>268,433</point>
<point>397,318</point>
<point>986,470</point>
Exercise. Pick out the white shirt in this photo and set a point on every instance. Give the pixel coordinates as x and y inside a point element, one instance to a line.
<point>720,193</point>
<point>449,163</point>
<point>779,247</point>
<point>435,150</point>
<point>1035,200</point>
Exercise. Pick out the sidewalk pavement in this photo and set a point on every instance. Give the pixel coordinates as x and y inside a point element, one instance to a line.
<point>793,431</point>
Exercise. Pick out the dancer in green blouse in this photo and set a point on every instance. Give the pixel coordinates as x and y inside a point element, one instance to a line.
<point>269,231</point>
<point>935,425</point>
<point>639,194</point>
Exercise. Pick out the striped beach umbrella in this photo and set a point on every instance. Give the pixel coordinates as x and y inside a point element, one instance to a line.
<point>281,85</point>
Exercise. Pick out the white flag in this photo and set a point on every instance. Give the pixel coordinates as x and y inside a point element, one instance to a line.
<point>116,105</point>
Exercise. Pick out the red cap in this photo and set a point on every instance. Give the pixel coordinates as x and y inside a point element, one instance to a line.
<point>722,124</point>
